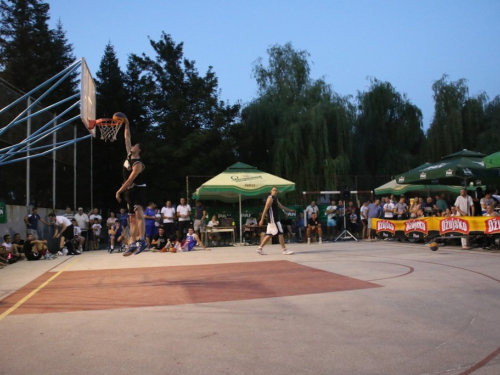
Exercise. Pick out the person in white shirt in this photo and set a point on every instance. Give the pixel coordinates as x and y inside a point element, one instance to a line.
<point>388,209</point>
<point>214,237</point>
<point>168,215</point>
<point>249,231</point>
<point>64,231</point>
<point>331,223</point>
<point>464,207</point>
<point>111,220</point>
<point>82,220</point>
<point>183,214</point>
<point>363,211</point>
<point>312,208</point>
<point>486,201</point>
<point>78,235</point>
<point>92,217</point>
<point>95,215</point>
<point>96,234</point>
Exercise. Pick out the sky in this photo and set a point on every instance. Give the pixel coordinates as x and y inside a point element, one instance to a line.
<point>408,43</point>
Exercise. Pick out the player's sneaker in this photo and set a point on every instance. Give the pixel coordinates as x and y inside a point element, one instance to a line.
<point>142,246</point>
<point>260,251</point>
<point>131,249</point>
<point>287,252</point>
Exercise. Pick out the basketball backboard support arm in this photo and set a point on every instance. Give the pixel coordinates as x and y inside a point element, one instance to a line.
<point>87,104</point>
<point>66,73</point>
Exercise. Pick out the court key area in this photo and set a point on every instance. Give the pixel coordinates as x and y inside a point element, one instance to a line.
<point>332,308</point>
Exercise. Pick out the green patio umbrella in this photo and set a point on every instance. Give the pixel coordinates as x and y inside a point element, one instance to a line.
<point>392,187</point>
<point>492,161</point>
<point>239,182</point>
<point>461,168</point>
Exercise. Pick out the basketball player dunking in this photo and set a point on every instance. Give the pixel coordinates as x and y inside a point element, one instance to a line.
<point>134,190</point>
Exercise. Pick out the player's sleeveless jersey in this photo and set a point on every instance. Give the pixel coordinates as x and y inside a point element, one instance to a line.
<point>274,212</point>
<point>127,170</point>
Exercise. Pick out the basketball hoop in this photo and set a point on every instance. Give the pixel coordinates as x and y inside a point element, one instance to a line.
<point>108,127</point>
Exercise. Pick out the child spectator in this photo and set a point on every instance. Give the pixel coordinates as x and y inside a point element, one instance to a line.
<point>96,231</point>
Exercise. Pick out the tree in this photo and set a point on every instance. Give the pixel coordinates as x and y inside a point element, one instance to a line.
<point>62,57</point>
<point>25,43</point>
<point>388,132</point>
<point>489,138</point>
<point>445,133</point>
<point>297,128</point>
<point>110,84</point>
<point>188,123</point>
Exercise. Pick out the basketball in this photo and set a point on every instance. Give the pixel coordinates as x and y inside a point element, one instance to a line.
<point>433,246</point>
<point>119,117</point>
<point>173,250</point>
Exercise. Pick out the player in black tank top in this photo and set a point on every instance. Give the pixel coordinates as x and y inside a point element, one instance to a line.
<point>134,189</point>
<point>273,206</point>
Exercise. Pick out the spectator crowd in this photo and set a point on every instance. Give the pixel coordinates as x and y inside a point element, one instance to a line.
<point>180,228</point>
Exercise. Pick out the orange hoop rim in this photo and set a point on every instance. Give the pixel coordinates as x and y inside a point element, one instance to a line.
<point>104,122</point>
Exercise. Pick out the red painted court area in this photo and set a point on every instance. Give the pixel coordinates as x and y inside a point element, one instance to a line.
<point>162,286</point>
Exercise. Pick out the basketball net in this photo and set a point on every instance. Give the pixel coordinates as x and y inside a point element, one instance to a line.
<point>108,128</point>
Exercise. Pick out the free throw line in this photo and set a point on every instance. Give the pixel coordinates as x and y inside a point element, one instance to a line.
<point>43,285</point>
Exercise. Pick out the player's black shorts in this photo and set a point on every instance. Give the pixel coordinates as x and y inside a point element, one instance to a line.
<point>135,197</point>
<point>68,233</point>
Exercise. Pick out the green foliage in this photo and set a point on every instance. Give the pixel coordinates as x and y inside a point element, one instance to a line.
<point>445,132</point>
<point>462,121</point>
<point>297,127</point>
<point>31,53</point>
<point>388,131</point>
<point>178,113</point>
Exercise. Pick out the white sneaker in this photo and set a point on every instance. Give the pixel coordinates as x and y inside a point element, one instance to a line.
<point>260,251</point>
<point>320,240</point>
<point>59,253</point>
<point>65,251</point>
<point>308,241</point>
<point>287,252</point>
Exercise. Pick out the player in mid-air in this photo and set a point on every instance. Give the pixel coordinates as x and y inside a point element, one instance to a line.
<point>134,189</point>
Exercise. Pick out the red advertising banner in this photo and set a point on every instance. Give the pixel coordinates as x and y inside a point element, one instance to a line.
<point>429,227</point>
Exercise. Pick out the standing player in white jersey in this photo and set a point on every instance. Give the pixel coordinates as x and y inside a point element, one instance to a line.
<point>273,206</point>
<point>135,192</point>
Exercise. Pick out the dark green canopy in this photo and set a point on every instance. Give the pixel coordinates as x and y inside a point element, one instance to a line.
<point>492,161</point>
<point>461,168</point>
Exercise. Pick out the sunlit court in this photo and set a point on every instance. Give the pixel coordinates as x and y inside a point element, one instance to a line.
<point>344,307</point>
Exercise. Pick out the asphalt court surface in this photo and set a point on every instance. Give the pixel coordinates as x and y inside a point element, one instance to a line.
<point>335,308</point>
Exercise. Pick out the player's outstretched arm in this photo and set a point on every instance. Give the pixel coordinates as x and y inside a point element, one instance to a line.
<point>285,208</point>
<point>127,136</point>
<point>197,239</point>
